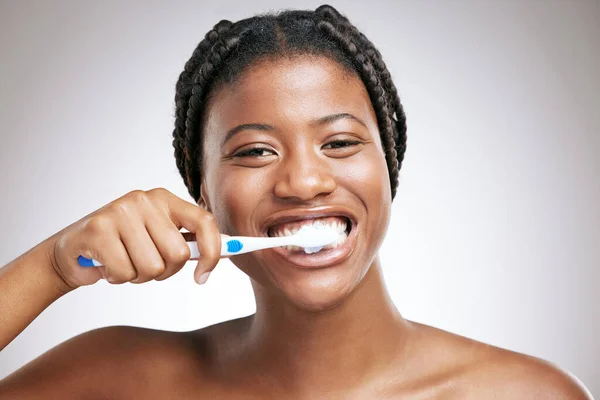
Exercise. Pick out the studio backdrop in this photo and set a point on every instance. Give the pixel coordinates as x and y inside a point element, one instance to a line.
<point>495,232</point>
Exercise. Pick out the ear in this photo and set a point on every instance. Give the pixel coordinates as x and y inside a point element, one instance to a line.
<point>203,201</point>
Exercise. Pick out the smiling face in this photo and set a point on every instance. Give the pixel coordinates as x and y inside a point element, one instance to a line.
<point>294,140</point>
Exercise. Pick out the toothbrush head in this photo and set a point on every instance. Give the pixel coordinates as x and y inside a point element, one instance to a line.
<point>314,237</point>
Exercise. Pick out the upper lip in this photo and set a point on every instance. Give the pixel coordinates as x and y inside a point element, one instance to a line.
<point>300,214</point>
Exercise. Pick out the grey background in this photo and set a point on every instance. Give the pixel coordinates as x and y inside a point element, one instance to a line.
<point>496,225</point>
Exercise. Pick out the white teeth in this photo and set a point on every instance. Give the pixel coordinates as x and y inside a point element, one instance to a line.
<point>337,225</point>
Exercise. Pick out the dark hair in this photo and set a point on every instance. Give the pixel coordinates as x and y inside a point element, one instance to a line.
<point>229,48</point>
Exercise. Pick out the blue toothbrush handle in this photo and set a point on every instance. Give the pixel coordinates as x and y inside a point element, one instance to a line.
<point>88,262</point>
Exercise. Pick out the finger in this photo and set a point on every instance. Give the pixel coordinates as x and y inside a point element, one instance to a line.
<point>142,250</point>
<point>179,211</point>
<point>169,242</point>
<point>195,219</point>
<point>208,240</point>
<point>110,251</point>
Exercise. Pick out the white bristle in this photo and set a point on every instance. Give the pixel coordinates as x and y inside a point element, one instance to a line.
<point>314,237</point>
<point>310,250</point>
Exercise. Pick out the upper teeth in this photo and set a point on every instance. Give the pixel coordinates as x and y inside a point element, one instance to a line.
<point>338,224</point>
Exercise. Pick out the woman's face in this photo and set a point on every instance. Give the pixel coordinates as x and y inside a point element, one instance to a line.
<point>291,142</point>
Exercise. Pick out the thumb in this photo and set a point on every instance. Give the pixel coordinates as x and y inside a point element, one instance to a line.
<point>201,274</point>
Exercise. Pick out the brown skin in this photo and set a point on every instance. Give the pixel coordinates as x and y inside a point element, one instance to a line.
<point>321,333</point>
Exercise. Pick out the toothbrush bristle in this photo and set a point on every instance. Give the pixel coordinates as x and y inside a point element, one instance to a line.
<point>314,237</point>
<point>311,250</point>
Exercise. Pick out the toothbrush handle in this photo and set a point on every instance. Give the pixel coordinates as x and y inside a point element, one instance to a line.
<point>233,245</point>
<point>230,245</point>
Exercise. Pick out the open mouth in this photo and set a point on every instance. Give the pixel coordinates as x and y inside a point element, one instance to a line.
<point>329,255</point>
<point>340,224</point>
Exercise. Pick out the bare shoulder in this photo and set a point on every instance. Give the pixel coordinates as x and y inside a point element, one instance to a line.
<point>516,375</point>
<point>111,362</point>
<point>481,370</point>
<point>462,368</point>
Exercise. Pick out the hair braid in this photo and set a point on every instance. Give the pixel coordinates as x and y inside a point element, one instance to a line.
<point>398,119</point>
<point>190,88</point>
<point>378,95</point>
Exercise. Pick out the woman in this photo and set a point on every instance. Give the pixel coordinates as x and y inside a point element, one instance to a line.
<point>282,120</point>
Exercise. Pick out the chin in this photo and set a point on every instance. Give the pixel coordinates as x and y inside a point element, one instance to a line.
<point>323,291</point>
<point>316,302</point>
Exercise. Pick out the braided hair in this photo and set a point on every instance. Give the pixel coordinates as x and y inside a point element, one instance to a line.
<point>229,48</point>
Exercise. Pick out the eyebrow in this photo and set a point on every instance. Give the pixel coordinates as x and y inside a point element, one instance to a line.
<point>336,117</point>
<point>254,127</point>
<point>328,119</point>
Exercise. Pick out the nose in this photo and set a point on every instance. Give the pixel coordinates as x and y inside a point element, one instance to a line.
<point>304,175</point>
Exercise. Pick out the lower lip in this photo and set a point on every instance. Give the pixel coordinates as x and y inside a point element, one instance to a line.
<point>320,259</point>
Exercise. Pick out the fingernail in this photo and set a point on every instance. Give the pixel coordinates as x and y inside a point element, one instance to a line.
<point>203,278</point>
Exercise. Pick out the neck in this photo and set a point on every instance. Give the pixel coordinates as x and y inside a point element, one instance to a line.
<point>338,347</point>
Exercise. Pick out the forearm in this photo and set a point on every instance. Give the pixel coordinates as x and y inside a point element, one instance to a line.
<point>28,285</point>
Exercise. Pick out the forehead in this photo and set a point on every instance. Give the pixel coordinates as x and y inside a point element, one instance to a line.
<point>289,90</point>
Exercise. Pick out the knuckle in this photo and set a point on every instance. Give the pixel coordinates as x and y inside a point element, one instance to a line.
<point>127,204</point>
<point>211,256</point>
<point>122,270</point>
<point>214,260</point>
<point>120,276</point>
<point>178,254</point>
<point>137,197</point>
<point>61,243</point>
<point>122,207</point>
<point>207,218</point>
<point>141,279</point>
<point>97,225</point>
<point>156,267</point>
<point>159,192</point>
<point>131,275</point>
<point>158,197</point>
<point>162,277</point>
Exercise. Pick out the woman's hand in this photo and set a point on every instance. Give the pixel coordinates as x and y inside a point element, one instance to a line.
<point>137,239</point>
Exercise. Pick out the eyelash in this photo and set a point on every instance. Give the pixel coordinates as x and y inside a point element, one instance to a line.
<point>347,143</point>
<point>252,151</point>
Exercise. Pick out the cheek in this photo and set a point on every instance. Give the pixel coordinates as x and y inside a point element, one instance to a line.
<point>367,177</point>
<point>366,174</point>
<point>237,194</point>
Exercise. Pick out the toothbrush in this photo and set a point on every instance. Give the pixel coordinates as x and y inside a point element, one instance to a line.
<point>312,237</point>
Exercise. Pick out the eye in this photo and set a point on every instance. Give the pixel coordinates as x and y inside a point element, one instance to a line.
<point>338,144</point>
<point>254,152</point>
